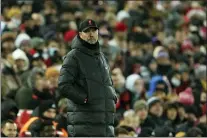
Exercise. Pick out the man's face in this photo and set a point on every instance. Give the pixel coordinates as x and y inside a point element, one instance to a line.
<point>8,47</point>
<point>50,113</point>
<point>90,35</point>
<point>20,63</point>
<point>116,75</point>
<point>172,113</point>
<point>139,85</point>
<point>156,109</point>
<point>10,130</point>
<point>142,114</point>
<point>40,83</point>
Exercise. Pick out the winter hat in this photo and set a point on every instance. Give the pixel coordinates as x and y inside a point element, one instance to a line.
<point>45,105</point>
<point>194,132</point>
<point>158,132</point>
<point>32,76</point>
<point>36,42</point>
<point>200,72</point>
<point>52,72</point>
<point>187,45</point>
<point>120,27</point>
<point>160,52</point>
<point>88,23</point>
<point>13,12</point>
<point>140,104</point>
<point>122,15</point>
<point>152,101</point>
<point>186,97</point>
<point>69,35</point>
<point>19,54</point>
<point>21,38</point>
<point>130,81</point>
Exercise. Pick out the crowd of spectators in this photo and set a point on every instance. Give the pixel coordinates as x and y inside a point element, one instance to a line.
<point>156,51</point>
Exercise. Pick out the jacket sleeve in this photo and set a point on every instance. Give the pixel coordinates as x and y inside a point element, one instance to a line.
<point>67,85</point>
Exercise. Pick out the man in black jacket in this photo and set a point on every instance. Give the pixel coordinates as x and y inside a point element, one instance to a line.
<point>85,80</point>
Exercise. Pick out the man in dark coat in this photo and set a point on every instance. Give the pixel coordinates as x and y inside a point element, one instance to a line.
<point>85,80</point>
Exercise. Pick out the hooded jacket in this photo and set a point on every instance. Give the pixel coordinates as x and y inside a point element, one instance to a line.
<point>8,106</point>
<point>85,80</point>
<point>19,54</point>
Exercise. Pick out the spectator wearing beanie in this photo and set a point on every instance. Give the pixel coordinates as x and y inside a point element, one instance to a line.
<point>46,112</point>
<point>141,110</point>
<point>191,119</point>
<point>194,132</point>
<point>30,95</point>
<point>171,115</point>
<point>182,116</point>
<point>52,74</point>
<point>163,131</point>
<point>155,110</point>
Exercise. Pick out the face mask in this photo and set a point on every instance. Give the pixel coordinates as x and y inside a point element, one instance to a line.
<point>176,82</point>
<point>163,69</point>
<point>16,21</point>
<point>52,51</point>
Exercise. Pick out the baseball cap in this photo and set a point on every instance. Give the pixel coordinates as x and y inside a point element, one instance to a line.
<point>88,23</point>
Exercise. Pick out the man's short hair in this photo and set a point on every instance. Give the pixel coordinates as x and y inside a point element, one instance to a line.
<point>7,121</point>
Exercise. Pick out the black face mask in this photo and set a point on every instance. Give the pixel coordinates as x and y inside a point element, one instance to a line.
<point>163,69</point>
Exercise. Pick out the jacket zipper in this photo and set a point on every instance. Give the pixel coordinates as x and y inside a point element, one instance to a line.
<point>101,62</point>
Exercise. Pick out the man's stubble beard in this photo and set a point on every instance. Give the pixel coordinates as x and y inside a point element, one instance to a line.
<point>92,40</point>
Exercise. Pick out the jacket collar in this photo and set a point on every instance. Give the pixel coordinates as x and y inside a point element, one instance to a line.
<point>76,44</point>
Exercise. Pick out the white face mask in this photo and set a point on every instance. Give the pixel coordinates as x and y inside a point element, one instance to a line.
<point>16,21</point>
<point>176,82</point>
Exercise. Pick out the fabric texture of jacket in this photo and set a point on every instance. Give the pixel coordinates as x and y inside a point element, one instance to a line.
<point>85,80</point>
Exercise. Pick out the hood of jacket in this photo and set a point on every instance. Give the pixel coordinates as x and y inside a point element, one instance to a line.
<point>130,81</point>
<point>19,54</point>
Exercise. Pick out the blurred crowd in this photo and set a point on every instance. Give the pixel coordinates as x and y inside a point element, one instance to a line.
<point>156,51</point>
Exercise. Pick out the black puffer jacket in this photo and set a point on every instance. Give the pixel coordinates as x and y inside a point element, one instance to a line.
<point>85,75</point>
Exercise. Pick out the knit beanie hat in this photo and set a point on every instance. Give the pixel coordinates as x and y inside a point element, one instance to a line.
<point>152,101</point>
<point>45,105</point>
<point>186,97</point>
<point>140,104</point>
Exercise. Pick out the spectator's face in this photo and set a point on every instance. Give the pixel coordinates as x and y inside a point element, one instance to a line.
<point>142,114</point>
<point>41,83</point>
<point>20,63</point>
<point>172,113</point>
<point>53,81</point>
<point>156,109</point>
<point>139,85</point>
<point>38,63</point>
<point>181,112</point>
<point>50,113</point>
<point>90,35</point>
<point>10,130</point>
<point>116,76</point>
<point>8,47</point>
<point>153,66</point>
<point>185,76</point>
